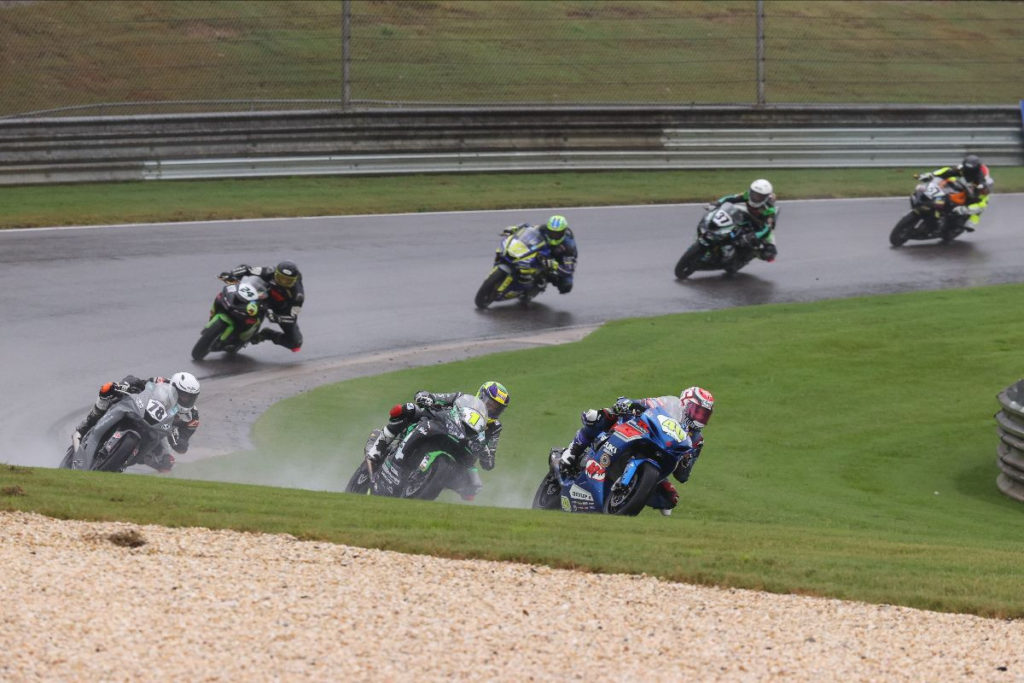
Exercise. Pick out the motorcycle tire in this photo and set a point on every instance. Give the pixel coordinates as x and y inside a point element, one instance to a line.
<point>549,494</point>
<point>428,485</point>
<point>688,261</point>
<point>65,464</point>
<point>117,458</point>
<point>360,481</point>
<point>488,291</point>
<point>209,335</point>
<point>904,229</point>
<point>630,502</point>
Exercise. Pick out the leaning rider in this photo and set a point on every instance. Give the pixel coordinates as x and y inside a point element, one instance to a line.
<point>977,183</point>
<point>560,251</point>
<point>495,398</point>
<point>697,405</point>
<point>286,296</point>
<point>760,204</point>
<point>185,424</point>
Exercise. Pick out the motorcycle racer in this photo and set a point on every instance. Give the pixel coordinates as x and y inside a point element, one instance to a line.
<point>977,182</point>
<point>759,199</point>
<point>561,250</point>
<point>495,397</point>
<point>186,421</point>
<point>287,294</point>
<point>698,404</point>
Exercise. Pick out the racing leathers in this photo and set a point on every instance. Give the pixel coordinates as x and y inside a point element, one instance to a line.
<point>467,482</point>
<point>559,258</point>
<point>596,421</point>
<point>186,421</point>
<point>762,239</point>
<point>284,303</point>
<point>977,193</point>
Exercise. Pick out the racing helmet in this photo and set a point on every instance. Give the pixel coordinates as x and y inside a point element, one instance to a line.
<point>554,229</point>
<point>188,388</point>
<point>697,406</point>
<point>495,397</point>
<point>759,194</point>
<point>971,169</point>
<point>286,274</point>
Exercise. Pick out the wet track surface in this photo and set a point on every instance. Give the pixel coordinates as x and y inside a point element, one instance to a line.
<point>87,305</point>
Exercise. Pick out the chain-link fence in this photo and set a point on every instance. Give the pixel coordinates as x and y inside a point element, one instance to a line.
<point>134,57</point>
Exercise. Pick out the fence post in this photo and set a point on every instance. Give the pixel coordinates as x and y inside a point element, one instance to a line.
<point>346,36</point>
<point>760,52</point>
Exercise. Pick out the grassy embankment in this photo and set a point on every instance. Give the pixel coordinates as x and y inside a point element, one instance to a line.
<point>846,457</point>
<point>98,203</point>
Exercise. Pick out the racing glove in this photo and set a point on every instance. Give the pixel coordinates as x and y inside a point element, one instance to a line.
<point>626,406</point>
<point>424,399</point>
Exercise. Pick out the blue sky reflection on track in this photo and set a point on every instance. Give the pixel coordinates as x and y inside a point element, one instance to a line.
<point>85,305</point>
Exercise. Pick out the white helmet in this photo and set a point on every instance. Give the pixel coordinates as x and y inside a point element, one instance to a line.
<point>760,193</point>
<point>188,388</point>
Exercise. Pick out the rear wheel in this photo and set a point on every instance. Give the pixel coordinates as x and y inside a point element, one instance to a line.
<point>209,335</point>
<point>549,494</point>
<point>688,261</point>
<point>630,500</point>
<point>904,229</point>
<point>488,291</point>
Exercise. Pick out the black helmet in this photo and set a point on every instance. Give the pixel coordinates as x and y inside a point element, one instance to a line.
<point>971,169</point>
<point>286,274</point>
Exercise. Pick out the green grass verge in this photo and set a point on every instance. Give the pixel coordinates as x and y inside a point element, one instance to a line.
<point>852,454</point>
<point>142,202</point>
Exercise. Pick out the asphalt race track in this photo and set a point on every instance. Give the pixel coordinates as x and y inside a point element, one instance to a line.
<point>88,305</point>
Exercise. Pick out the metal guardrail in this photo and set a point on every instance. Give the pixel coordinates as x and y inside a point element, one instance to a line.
<point>431,140</point>
<point>1010,452</point>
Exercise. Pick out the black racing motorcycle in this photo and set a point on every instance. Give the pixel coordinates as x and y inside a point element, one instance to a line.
<point>935,213</point>
<point>727,228</point>
<point>439,451</point>
<point>235,316</point>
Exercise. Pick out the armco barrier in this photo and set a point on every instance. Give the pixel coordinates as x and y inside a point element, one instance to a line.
<point>428,140</point>
<point>1010,423</point>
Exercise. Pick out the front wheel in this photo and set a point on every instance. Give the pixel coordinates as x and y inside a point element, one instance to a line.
<point>630,500</point>
<point>549,494</point>
<point>904,229</point>
<point>428,485</point>
<point>360,481</point>
<point>488,291</point>
<point>117,451</point>
<point>689,260</point>
<point>207,338</point>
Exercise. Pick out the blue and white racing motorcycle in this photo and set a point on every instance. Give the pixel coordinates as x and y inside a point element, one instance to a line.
<point>620,469</point>
<point>519,267</point>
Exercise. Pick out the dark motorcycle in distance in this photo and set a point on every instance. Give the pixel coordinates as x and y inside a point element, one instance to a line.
<point>728,227</point>
<point>519,270</point>
<point>439,451</point>
<point>235,316</point>
<point>619,470</point>
<point>132,430</point>
<point>933,213</point>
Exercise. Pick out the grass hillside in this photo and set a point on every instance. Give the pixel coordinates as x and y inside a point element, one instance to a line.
<point>851,454</point>
<point>64,53</point>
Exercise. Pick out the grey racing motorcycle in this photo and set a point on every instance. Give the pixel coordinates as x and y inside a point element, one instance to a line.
<point>131,432</point>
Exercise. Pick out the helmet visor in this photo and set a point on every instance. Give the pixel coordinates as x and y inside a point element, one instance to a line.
<point>494,409</point>
<point>757,199</point>
<point>186,400</point>
<point>285,280</point>
<point>698,414</point>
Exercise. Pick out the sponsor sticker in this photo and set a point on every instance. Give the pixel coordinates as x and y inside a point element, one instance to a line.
<point>595,471</point>
<point>580,494</point>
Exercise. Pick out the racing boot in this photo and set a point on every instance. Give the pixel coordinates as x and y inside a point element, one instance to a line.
<point>377,445</point>
<point>569,460</point>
